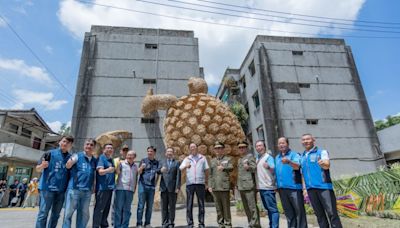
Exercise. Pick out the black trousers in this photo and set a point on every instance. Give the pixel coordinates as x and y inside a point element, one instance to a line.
<point>168,205</point>
<point>293,205</point>
<point>10,197</point>
<point>22,198</point>
<point>102,208</point>
<point>323,202</point>
<point>200,191</point>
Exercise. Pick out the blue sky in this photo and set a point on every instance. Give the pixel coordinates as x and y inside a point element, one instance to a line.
<point>54,31</point>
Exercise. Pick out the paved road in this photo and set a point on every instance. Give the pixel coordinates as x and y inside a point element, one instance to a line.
<point>19,217</point>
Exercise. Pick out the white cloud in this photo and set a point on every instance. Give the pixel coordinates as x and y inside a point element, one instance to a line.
<point>49,49</point>
<point>56,125</point>
<point>219,45</point>
<point>19,66</point>
<point>46,100</point>
<point>212,80</point>
<point>20,10</point>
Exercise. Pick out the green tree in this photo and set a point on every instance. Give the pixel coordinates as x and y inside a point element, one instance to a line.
<point>65,129</point>
<point>380,124</point>
<point>387,122</point>
<point>240,112</point>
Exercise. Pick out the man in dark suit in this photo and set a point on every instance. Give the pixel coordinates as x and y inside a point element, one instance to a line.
<point>169,187</point>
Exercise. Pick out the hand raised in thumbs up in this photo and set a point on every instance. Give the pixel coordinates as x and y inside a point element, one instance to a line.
<point>44,163</point>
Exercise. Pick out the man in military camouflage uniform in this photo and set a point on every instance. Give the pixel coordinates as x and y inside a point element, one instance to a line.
<point>246,184</point>
<point>219,185</point>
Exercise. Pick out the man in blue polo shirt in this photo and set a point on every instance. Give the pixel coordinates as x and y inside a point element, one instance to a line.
<point>315,169</point>
<point>53,182</point>
<point>105,184</point>
<point>83,171</point>
<point>149,168</point>
<point>288,181</point>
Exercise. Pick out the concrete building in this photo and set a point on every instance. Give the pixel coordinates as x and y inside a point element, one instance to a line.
<point>390,143</point>
<point>292,85</point>
<point>23,135</point>
<point>118,66</point>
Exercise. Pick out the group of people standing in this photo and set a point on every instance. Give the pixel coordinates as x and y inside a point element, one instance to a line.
<point>72,178</point>
<point>20,194</point>
<point>291,174</point>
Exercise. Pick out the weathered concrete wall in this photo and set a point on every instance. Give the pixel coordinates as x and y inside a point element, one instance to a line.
<point>319,82</point>
<point>111,86</point>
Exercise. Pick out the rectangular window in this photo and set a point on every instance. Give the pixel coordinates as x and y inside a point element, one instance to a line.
<point>256,100</point>
<point>149,81</point>
<point>13,128</point>
<point>150,46</point>
<point>22,172</point>
<point>304,85</point>
<point>246,106</point>
<point>297,52</point>
<point>243,82</point>
<point>148,120</point>
<point>260,132</point>
<point>312,121</point>
<point>252,68</point>
<point>36,143</point>
<point>25,132</point>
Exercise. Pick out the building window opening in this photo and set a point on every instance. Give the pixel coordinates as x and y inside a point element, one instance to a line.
<point>304,85</point>
<point>256,100</point>
<point>297,52</point>
<point>13,128</point>
<point>312,121</point>
<point>243,82</point>
<point>149,81</point>
<point>151,46</point>
<point>252,68</point>
<point>148,120</point>
<point>260,132</point>
<point>25,132</point>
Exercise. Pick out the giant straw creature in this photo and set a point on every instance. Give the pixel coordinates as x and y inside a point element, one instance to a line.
<point>197,117</point>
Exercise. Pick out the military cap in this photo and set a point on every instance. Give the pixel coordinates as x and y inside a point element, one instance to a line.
<point>218,144</point>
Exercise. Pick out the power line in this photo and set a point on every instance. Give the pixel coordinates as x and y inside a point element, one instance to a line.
<point>264,19</point>
<point>301,15</point>
<point>284,17</point>
<point>232,25</point>
<point>35,55</point>
<point>8,97</point>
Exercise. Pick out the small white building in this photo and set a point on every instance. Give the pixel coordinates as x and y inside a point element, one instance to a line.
<point>23,135</point>
<point>390,143</point>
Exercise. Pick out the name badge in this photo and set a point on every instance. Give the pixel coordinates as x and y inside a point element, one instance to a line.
<point>313,158</point>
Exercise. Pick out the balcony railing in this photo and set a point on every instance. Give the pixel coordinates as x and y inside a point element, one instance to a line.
<point>15,151</point>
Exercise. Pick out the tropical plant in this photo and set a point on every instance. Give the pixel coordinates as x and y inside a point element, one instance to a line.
<point>229,82</point>
<point>240,112</point>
